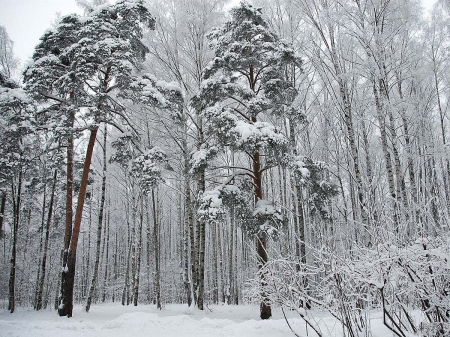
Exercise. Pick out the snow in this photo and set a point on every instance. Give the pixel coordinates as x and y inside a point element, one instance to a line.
<point>156,89</point>
<point>258,131</point>
<point>199,156</point>
<point>9,95</point>
<point>169,86</point>
<point>264,207</point>
<point>175,320</point>
<point>214,198</point>
<point>261,133</point>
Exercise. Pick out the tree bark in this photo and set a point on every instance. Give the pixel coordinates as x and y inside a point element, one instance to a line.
<point>188,224</point>
<point>148,250</point>
<point>201,232</point>
<point>215,267</point>
<point>384,145</point>
<point>12,273</point>
<point>125,292</point>
<point>261,242</point>
<point>63,296</point>
<point>2,214</point>
<point>99,227</point>
<point>41,239</point>
<point>45,248</point>
<point>156,238</point>
<point>107,236</point>
<point>66,304</point>
<point>138,252</point>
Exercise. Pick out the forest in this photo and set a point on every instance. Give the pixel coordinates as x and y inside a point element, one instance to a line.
<point>287,154</point>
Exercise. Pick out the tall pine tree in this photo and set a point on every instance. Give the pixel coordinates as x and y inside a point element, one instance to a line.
<point>82,65</point>
<point>243,87</point>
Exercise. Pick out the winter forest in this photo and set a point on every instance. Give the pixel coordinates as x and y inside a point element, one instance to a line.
<point>288,155</point>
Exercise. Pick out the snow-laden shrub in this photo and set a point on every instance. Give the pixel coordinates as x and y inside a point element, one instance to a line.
<point>410,285</point>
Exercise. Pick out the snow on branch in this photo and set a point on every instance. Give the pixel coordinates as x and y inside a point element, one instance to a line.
<point>148,168</point>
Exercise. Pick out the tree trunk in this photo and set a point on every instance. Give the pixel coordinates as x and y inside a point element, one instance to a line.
<point>99,227</point>
<point>201,232</point>
<point>409,156</point>
<point>58,288</point>
<point>125,294</point>
<point>220,275</point>
<point>188,225</point>
<point>157,252</point>
<point>12,273</point>
<point>66,304</point>
<point>348,120</point>
<point>41,241</point>
<point>105,278</point>
<point>138,252</point>
<point>85,269</point>
<point>148,250</point>
<point>45,248</point>
<point>215,271</point>
<point>116,249</point>
<point>133,248</point>
<point>193,260</point>
<point>261,242</point>
<point>384,145</point>
<point>63,297</point>
<point>2,214</point>
<point>187,221</point>
<point>261,246</point>
<point>231,279</point>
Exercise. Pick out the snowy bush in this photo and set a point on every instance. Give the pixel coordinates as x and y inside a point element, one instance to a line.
<point>409,284</point>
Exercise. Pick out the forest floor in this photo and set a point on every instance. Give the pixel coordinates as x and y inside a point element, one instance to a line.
<point>115,320</point>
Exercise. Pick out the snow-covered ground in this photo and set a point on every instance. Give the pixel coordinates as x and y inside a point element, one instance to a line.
<point>115,320</point>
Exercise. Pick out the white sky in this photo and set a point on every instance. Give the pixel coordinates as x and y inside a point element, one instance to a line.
<point>27,20</point>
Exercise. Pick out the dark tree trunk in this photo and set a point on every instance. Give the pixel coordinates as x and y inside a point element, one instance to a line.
<point>186,236</point>
<point>157,253</point>
<point>99,227</point>
<point>45,248</point>
<point>261,243</point>
<point>2,214</point>
<point>63,296</point>
<point>201,235</point>
<point>41,241</point>
<point>138,254</point>
<point>261,246</point>
<point>193,260</point>
<point>66,304</point>
<point>105,278</point>
<point>215,267</point>
<point>12,273</point>
<point>125,291</point>
<point>148,250</point>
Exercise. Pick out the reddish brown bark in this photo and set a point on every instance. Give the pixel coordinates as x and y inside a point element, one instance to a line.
<point>66,305</point>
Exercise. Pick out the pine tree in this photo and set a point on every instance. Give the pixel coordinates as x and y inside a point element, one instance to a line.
<point>243,87</point>
<point>86,62</point>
